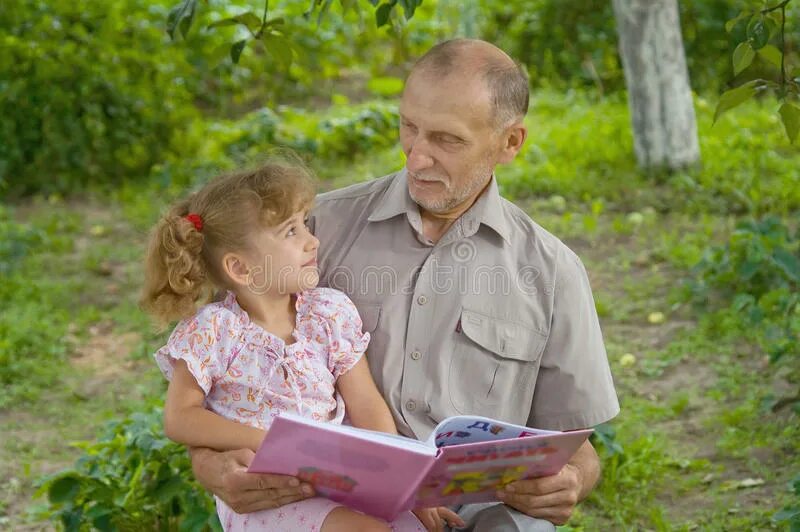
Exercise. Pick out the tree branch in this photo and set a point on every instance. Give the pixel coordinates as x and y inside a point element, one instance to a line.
<point>782,5</point>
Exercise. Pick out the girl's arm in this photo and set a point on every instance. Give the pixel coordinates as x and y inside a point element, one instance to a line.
<point>186,420</point>
<point>364,403</point>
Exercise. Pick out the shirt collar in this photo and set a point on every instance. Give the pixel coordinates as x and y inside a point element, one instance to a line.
<point>488,209</point>
<point>395,201</point>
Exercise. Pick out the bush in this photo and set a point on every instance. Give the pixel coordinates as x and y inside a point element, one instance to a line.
<point>132,478</point>
<point>91,93</point>
<point>758,272</point>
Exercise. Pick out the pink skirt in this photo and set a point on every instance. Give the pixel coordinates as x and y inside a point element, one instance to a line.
<point>305,515</point>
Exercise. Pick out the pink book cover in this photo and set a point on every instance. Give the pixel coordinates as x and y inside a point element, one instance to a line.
<point>372,472</point>
<point>473,472</point>
<point>465,460</point>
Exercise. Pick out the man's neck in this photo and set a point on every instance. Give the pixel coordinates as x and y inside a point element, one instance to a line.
<point>436,224</point>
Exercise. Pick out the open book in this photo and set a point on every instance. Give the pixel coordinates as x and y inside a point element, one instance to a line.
<point>466,459</point>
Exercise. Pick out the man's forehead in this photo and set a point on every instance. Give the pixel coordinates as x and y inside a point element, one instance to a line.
<point>447,98</point>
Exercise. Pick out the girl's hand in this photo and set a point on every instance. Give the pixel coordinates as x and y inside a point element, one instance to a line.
<point>434,519</point>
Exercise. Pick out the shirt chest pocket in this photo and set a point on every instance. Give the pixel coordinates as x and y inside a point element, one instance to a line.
<point>493,367</point>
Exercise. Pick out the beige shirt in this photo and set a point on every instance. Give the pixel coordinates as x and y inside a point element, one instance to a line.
<point>495,319</point>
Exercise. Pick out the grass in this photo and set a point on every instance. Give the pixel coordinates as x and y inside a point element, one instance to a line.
<point>701,448</point>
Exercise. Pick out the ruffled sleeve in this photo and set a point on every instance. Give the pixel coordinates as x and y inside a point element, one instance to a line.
<point>346,340</point>
<point>206,342</point>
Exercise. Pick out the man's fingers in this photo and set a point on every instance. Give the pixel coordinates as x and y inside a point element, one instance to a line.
<point>526,500</point>
<point>265,481</point>
<point>532,505</point>
<point>243,457</point>
<point>255,501</point>
<point>452,518</point>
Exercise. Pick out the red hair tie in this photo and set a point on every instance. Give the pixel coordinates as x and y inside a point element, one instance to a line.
<point>197,222</point>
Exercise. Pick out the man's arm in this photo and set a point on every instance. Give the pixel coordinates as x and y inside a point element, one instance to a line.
<point>554,498</point>
<point>225,475</point>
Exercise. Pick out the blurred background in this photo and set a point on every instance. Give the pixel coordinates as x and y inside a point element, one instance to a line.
<point>695,264</point>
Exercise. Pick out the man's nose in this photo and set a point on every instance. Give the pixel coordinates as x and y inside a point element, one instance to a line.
<point>418,157</point>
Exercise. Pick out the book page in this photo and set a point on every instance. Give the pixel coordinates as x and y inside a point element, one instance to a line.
<point>458,430</point>
<point>395,440</point>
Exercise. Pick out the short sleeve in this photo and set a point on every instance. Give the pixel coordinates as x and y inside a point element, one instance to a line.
<point>205,342</point>
<point>346,340</point>
<point>574,389</point>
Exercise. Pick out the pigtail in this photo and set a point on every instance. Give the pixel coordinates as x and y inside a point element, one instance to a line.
<point>176,278</point>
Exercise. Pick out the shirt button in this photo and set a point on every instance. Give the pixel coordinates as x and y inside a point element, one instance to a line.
<point>416,355</point>
<point>411,405</point>
<point>422,300</point>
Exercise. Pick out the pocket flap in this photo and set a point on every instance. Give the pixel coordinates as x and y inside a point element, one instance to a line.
<point>505,338</point>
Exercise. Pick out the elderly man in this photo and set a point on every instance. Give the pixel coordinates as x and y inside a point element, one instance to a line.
<point>472,307</point>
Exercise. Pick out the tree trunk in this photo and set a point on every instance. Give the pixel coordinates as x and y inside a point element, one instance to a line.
<point>659,97</point>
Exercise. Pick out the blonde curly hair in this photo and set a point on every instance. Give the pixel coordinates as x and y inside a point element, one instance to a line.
<point>183,264</point>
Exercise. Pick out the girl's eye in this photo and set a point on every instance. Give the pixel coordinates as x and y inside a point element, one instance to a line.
<point>292,231</point>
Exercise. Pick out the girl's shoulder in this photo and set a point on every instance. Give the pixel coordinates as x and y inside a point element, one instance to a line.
<point>216,317</point>
<point>328,303</point>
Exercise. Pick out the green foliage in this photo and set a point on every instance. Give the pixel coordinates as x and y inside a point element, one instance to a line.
<point>90,93</point>
<point>270,32</point>
<point>755,29</point>
<point>791,514</point>
<point>132,478</point>
<point>575,43</point>
<point>758,272</point>
<point>564,156</point>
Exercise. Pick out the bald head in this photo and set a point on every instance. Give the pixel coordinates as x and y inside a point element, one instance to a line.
<point>505,80</point>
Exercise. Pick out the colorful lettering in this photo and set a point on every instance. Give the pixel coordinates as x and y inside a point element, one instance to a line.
<point>483,425</point>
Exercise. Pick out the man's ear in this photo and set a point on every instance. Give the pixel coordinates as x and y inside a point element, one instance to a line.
<point>513,139</point>
<point>236,268</point>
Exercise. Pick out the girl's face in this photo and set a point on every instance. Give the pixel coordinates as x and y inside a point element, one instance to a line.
<point>283,259</point>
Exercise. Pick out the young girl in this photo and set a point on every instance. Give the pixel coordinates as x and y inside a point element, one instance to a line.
<point>273,344</point>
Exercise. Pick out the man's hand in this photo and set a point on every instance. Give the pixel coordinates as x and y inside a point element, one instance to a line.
<point>434,518</point>
<point>554,498</point>
<point>225,474</point>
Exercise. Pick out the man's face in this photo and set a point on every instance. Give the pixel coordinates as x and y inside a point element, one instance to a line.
<point>449,139</point>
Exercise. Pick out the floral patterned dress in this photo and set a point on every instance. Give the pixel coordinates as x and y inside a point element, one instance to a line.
<point>250,376</point>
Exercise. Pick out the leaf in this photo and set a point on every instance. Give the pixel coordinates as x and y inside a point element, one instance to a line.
<point>279,48</point>
<point>758,32</point>
<point>732,22</point>
<point>181,17</point>
<point>742,57</point>
<point>409,6</point>
<point>788,262</point>
<point>790,115</point>
<point>64,489</point>
<point>326,5</point>
<point>219,54</point>
<point>382,14</point>
<point>787,514</point>
<point>734,98</point>
<point>249,20</point>
<point>236,50</point>
<point>771,54</point>
<point>748,269</point>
